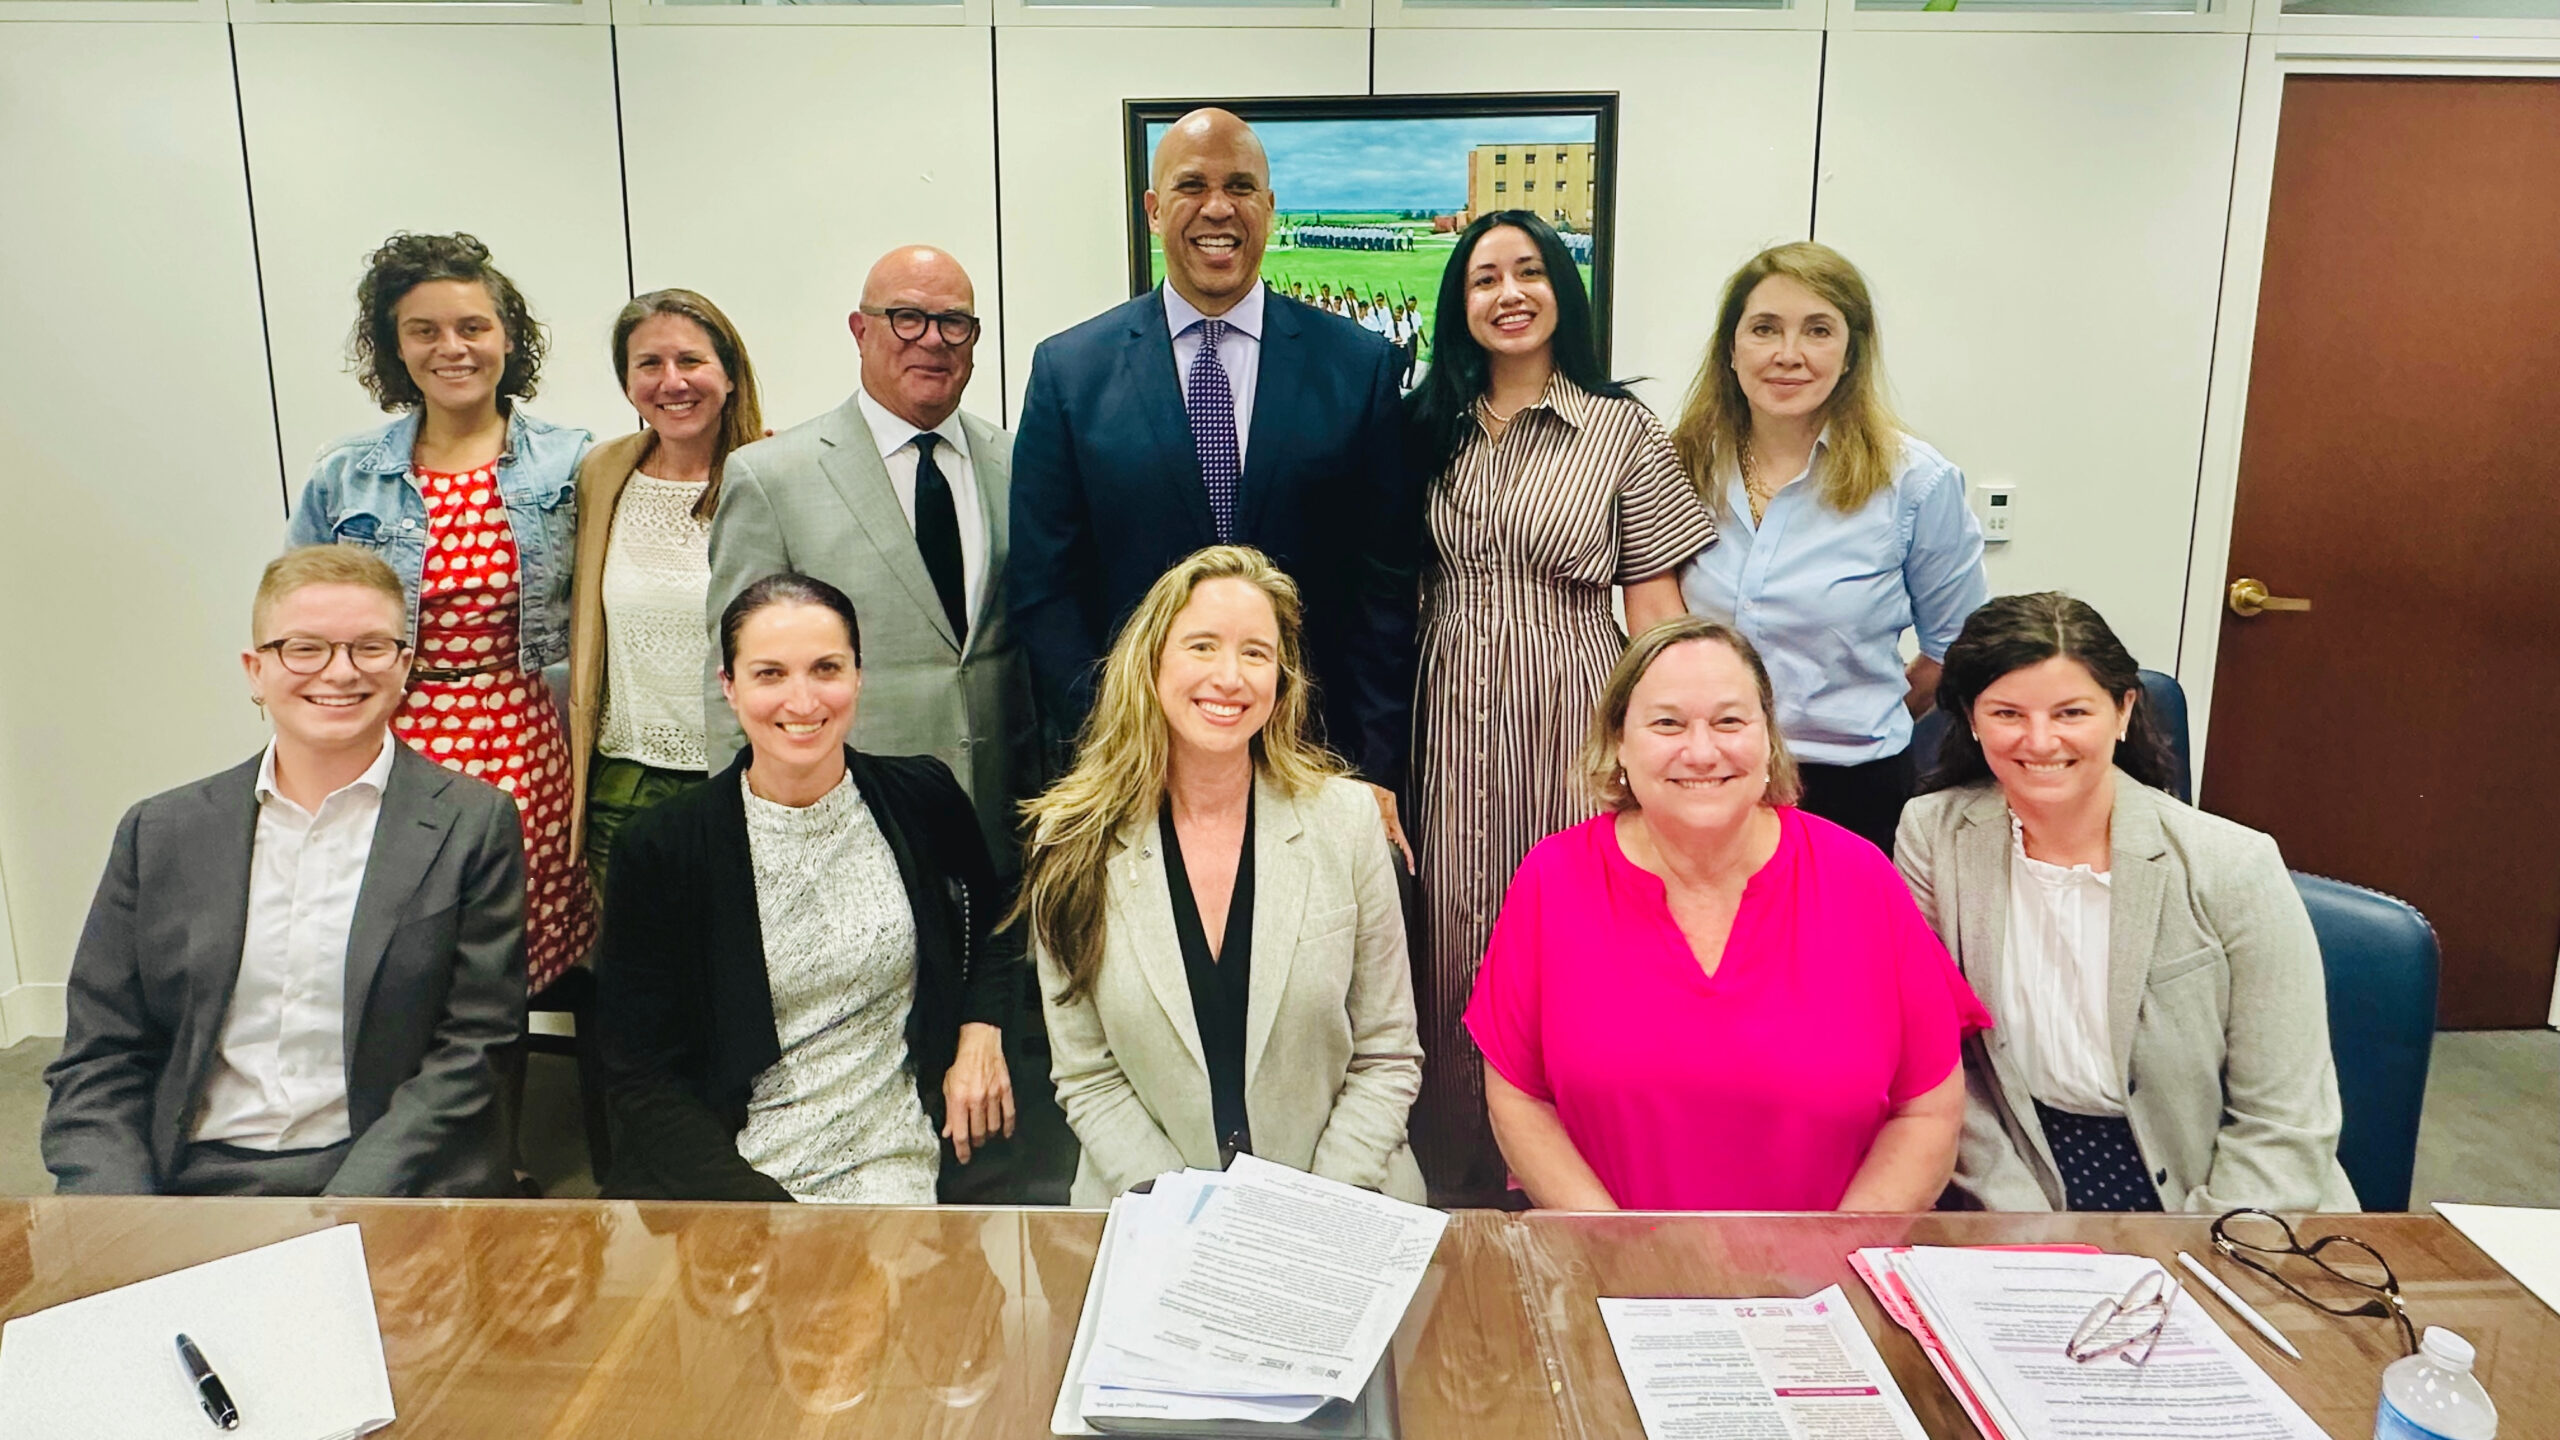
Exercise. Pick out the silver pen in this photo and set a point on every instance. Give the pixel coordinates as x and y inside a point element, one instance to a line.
<point>2239,1307</point>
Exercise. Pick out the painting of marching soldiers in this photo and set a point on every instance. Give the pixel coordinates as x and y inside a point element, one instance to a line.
<point>1368,210</point>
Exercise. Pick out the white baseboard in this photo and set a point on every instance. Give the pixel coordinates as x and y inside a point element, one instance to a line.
<point>28,1010</point>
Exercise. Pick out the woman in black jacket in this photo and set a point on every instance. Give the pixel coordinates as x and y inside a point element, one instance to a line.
<point>799,985</point>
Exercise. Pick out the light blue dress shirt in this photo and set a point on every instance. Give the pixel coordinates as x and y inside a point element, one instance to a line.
<point>1825,596</point>
<point>1239,350</point>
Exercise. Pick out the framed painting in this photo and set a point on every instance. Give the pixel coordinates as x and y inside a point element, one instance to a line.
<point>1370,192</point>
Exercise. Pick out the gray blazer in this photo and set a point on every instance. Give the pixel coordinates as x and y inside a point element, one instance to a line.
<point>1332,1059</point>
<point>434,983</point>
<point>2216,1006</point>
<point>816,498</point>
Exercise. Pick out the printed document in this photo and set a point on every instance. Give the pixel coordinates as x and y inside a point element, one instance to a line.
<point>1756,1370</point>
<point>290,1329</point>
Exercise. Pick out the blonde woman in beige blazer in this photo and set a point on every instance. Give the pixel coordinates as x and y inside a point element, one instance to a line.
<point>1214,910</point>
<point>2176,1057</point>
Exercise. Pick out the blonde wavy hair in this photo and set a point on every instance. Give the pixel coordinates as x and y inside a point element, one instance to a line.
<point>1126,748</point>
<point>1866,437</point>
<point>1601,776</point>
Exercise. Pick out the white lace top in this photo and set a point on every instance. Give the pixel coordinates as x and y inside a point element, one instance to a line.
<point>657,571</point>
<point>836,1118</point>
<point>2052,995</point>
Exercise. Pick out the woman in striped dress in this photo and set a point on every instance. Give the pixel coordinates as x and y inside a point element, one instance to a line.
<point>1553,484</point>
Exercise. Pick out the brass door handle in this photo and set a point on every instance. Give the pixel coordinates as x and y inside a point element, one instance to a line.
<point>2248,597</point>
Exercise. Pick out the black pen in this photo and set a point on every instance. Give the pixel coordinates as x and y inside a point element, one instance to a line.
<point>209,1392</point>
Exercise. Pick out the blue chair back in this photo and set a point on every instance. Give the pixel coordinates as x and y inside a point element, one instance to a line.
<point>2160,691</point>
<point>2380,957</point>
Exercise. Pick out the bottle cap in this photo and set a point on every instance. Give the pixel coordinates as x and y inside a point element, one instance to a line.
<point>2446,1348</point>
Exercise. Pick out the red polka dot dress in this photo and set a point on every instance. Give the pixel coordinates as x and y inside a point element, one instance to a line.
<point>472,708</point>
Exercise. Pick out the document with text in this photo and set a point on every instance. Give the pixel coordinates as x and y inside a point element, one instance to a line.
<point>1777,1369</point>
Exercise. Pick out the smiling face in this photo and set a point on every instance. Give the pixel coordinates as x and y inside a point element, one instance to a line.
<point>341,710</point>
<point>919,380</point>
<point>1511,304</point>
<point>794,686</point>
<point>2049,733</point>
<point>674,378</point>
<point>1211,204</point>
<point>452,343</point>
<point>1220,670</point>
<point>1789,348</point>
<point>1695,745</point>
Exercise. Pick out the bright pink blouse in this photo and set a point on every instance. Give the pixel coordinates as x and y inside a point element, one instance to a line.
<point>1759,1087</point>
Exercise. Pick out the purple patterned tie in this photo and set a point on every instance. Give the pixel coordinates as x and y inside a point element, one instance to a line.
<point>1213,429</point>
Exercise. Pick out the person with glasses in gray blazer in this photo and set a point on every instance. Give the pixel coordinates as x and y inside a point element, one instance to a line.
<point>295,972</point>
<point>2161,1035</point>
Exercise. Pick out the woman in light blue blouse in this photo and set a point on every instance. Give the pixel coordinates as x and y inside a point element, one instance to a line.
<point>1840,531</point>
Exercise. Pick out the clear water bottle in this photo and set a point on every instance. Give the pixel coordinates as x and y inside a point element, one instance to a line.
<point>2432,1396</point>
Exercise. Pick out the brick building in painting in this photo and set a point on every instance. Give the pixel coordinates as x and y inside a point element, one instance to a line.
<point>1555,180</point>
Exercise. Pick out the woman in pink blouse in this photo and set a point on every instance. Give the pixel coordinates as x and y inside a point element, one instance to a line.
<point>1707,999</point>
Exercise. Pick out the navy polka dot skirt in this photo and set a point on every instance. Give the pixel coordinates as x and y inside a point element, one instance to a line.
<point>2101,1167</point>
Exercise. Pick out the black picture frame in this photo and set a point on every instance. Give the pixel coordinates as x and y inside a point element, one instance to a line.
<point>1600,106</point>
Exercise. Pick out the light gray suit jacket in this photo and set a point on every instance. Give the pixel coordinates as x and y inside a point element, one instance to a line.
<point>816,498</point>
<point>2216,1006</point>
<point>1332,1058</point>
<point>434,983</point>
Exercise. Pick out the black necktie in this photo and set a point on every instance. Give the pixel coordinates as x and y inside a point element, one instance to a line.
<point>938,534</point>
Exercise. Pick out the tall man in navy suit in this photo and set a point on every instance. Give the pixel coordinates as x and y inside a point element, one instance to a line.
<point>1212,410</point>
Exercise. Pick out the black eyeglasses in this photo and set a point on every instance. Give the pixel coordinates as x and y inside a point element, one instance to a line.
<point>309,654</point>
<point>958,327</point>
<point>2257,1238</point>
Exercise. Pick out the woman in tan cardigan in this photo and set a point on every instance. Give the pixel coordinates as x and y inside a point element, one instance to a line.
<point>636,637</point>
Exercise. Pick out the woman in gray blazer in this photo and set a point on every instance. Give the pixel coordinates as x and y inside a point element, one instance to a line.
<point>1213,908</point>
<point>2162,1034</point>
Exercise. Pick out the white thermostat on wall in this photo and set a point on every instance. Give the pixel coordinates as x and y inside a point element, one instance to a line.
<point>1993,505</point>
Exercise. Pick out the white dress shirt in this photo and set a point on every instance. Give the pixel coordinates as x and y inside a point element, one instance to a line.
<point>897,441</point>
<point>1239,351</point>
<point>2052,994</point>
<point>279,1080</point>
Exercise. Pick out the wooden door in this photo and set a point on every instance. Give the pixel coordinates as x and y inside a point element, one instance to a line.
<point>2400,469</point>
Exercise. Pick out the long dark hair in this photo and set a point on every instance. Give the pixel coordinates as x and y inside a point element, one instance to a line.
<point>1459,370</point>
<point>2016,631</point>
<point>402,264</point>
<point>788,587</point>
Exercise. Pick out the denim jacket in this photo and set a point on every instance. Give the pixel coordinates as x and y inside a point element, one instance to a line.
<point>360,494</point>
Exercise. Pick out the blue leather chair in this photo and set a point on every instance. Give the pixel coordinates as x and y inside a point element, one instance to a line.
<point>2160,691</point>
<point>2380,957</point>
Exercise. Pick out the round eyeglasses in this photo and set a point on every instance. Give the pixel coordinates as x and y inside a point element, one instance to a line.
<point>2257,1238</point>
<point>957,327</point>
<point>309,654</point>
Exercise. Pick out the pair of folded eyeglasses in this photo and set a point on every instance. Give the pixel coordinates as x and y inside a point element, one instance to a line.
<point>2130,1325</point>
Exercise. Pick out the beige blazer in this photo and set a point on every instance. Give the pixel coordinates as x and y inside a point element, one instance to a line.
<point>2216,1006</point>
<point>601,477</point>
<point>1332,1058</point>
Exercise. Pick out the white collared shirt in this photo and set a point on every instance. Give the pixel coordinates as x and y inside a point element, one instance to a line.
<point>279,1080</point>
<point>897,441</point>
<point>2052,993</point>
<point>1239,350</point>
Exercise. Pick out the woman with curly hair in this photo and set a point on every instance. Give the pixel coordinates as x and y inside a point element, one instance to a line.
<point>474,504</point>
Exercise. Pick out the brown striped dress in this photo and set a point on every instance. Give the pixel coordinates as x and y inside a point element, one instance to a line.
<point>1529,533</point>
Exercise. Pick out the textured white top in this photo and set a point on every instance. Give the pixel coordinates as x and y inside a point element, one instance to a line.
<point>897,441</point>
<point>657,571</point>
<point>2052,996</point>
<point>836,1118</point>
<point>279,1079</point>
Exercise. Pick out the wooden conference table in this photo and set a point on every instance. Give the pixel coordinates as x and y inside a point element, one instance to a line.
<point>544,1319</point>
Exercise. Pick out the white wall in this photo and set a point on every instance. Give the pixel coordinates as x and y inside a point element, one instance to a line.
<point>139,454</point>
<point>505,131</point>
<point>2041,217</point>
<point>769,166</point>
<point>1058,148</point>
<point>1703,182</point>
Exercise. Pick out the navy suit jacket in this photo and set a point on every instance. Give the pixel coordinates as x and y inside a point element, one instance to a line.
<point>1107,496</point>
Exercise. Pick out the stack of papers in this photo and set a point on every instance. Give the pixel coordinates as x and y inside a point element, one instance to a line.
<point>1996,1322</point>
<point>1257,1294</point>
<point>1798,1369</point>
<point>289,1328</point>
